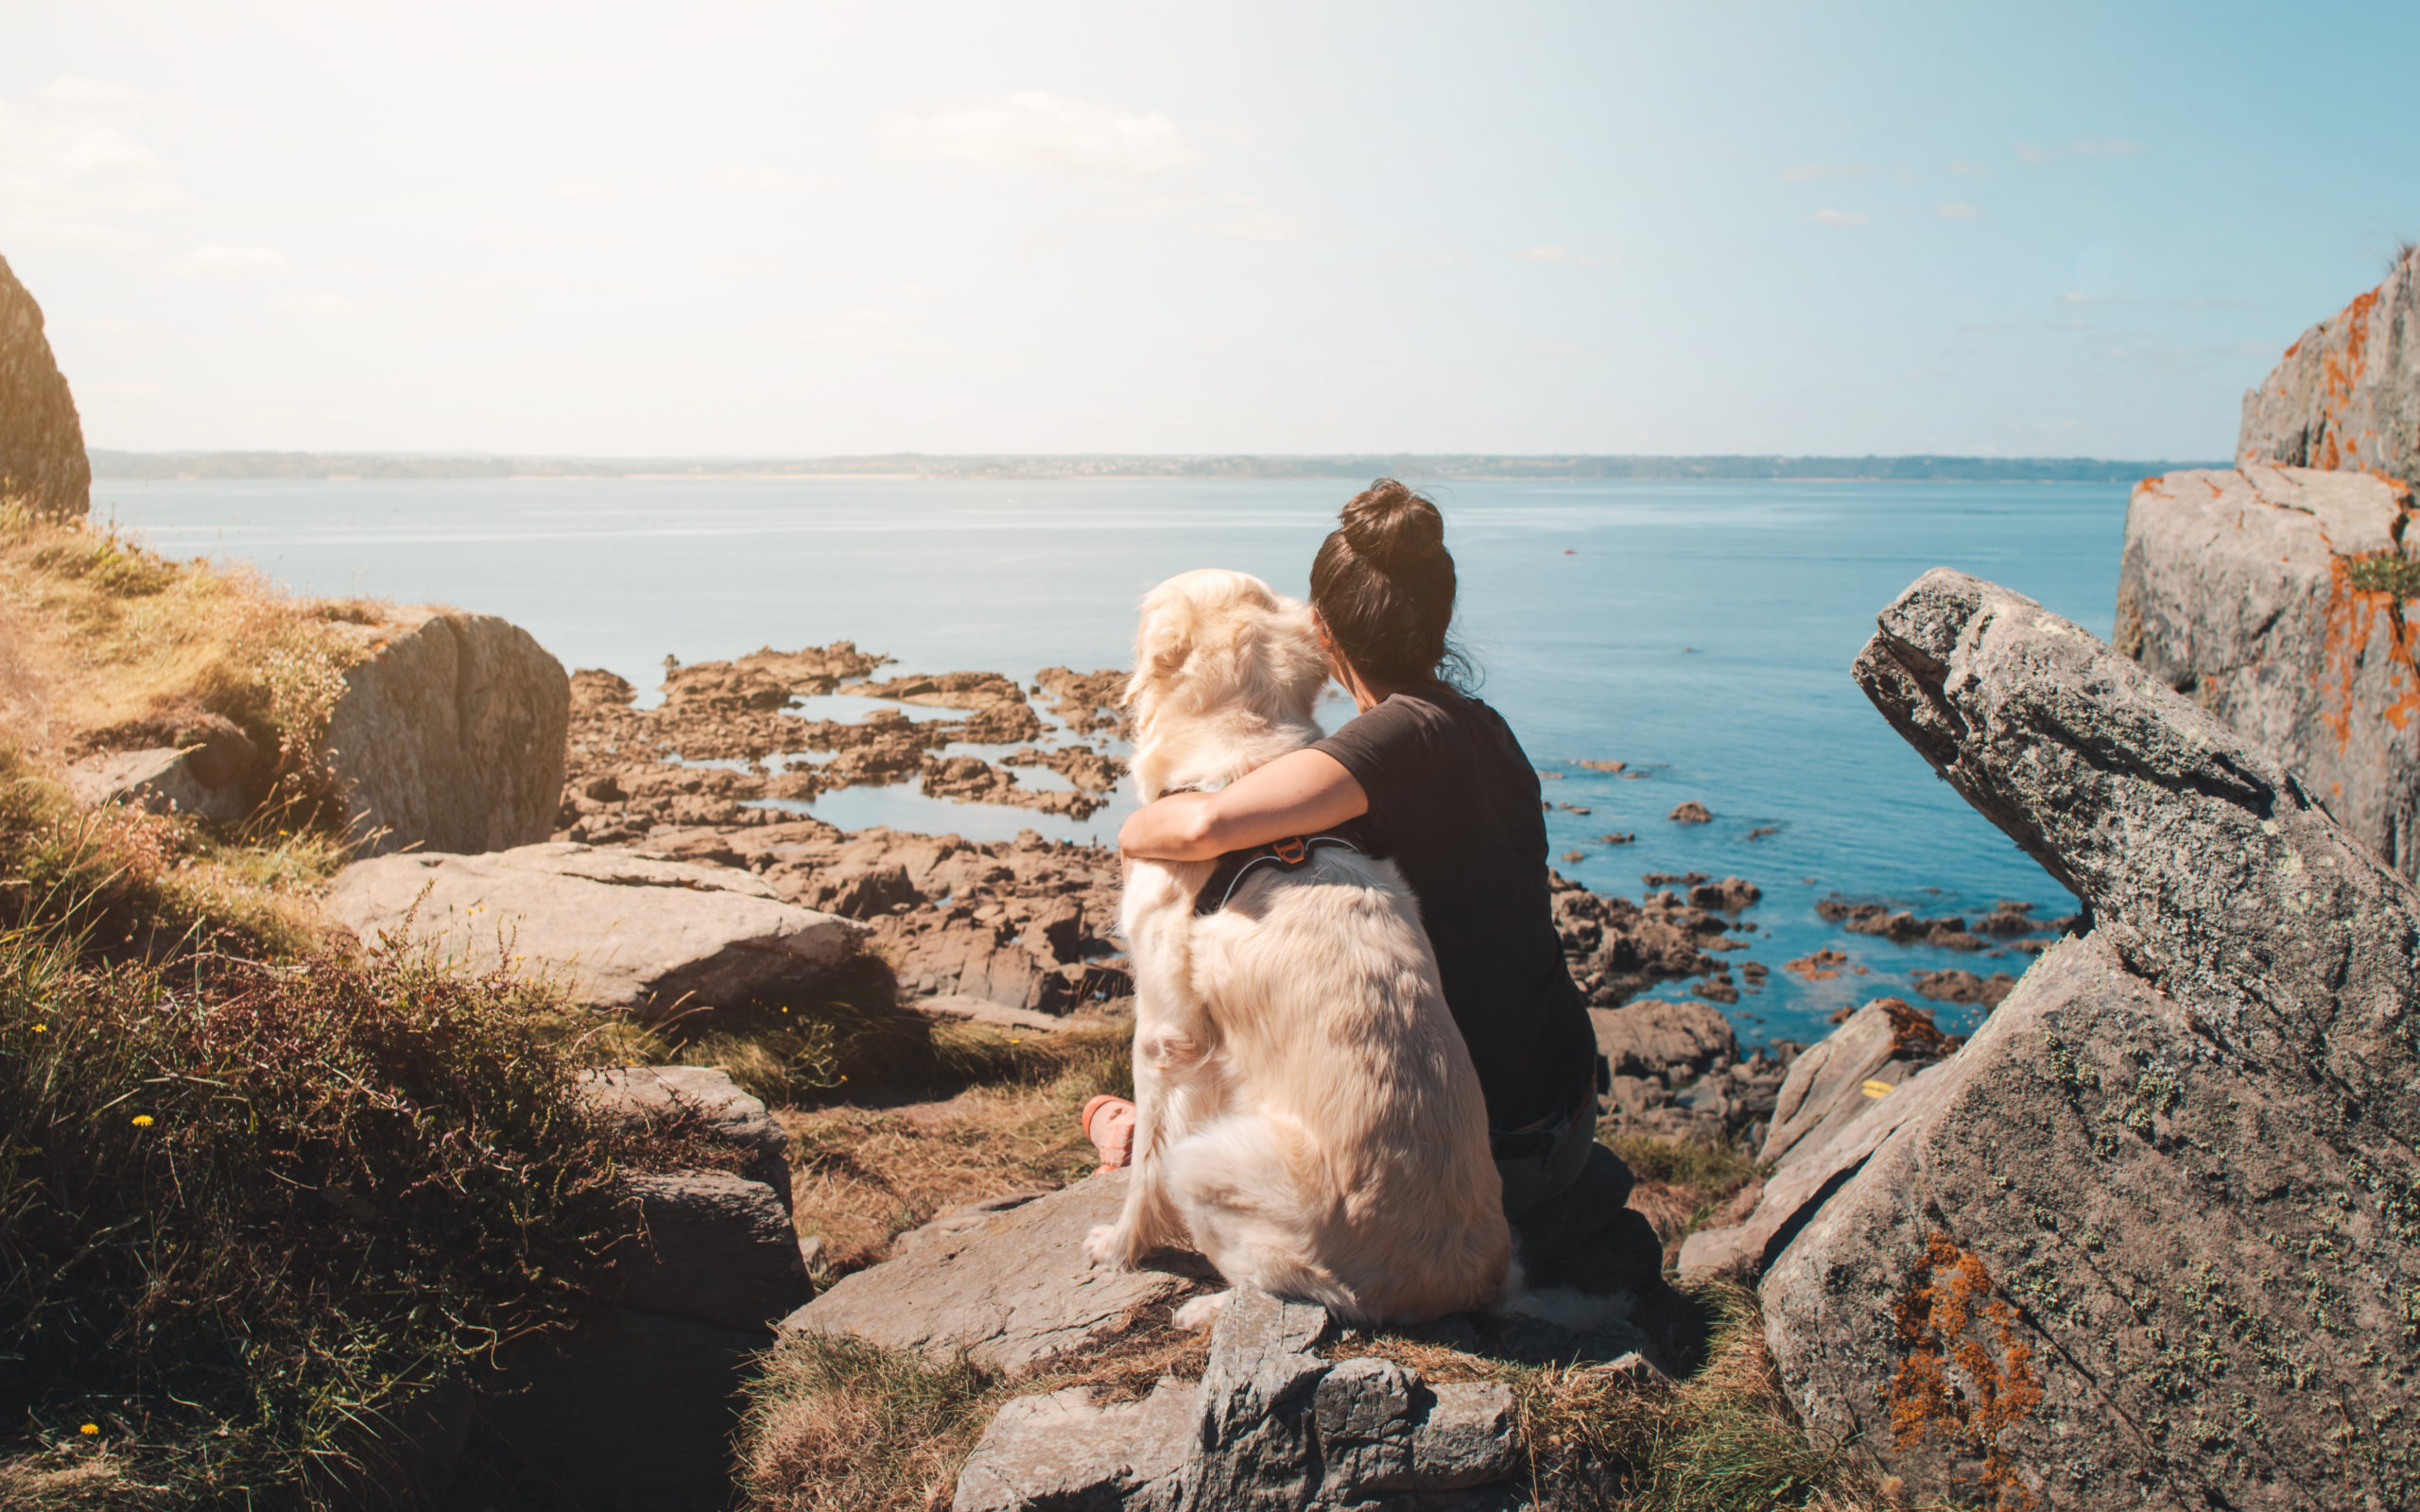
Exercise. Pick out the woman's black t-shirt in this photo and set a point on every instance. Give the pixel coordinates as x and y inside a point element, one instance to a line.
<point>1454,802</point>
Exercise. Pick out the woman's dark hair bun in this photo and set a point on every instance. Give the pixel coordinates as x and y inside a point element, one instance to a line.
<point>1393,528</point>
<point>1383,584</point>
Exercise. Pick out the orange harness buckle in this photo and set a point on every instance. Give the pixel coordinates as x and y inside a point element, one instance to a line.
<point>1292,853</point>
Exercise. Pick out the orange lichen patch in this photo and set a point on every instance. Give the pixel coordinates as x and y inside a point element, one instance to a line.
<point>2354,617</point>
<point>1966,1389</point>
<point>1912,1031</point>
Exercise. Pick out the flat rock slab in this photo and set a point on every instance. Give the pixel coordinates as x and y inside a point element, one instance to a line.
<point>1014,1292</point>
<point>2151,1238</point>
<point>1829,1087</point>
<point>622,931</point>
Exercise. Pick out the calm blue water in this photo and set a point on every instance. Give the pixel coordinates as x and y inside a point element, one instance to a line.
<point>1702,631</point>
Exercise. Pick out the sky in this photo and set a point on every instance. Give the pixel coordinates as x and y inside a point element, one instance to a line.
<point>738,230</point>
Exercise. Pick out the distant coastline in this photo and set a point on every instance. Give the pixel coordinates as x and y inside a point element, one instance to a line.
<point>1439,468</point>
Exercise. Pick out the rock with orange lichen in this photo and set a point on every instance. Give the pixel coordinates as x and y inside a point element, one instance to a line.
<point>2151,1237</point>
<point>2275,597</point>
<point>2347,394</point>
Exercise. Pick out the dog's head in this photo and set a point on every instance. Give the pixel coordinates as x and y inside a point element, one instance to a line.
<point>1214,643</point>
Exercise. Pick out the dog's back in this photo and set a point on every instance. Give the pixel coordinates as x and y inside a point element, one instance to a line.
<point>1334,1032</point>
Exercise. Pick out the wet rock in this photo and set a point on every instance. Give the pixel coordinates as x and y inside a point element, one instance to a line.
<point>1691,812</point>
<point>41,441</point>
<point>1014,1292</point>
<point>1086,702</point>
<point>1600,767</point>
<point>2275,599</point>
<point>2145,1240</point>
<point>1617,948</point>
<point>2347,394</point>
<point>1964,987</point>
<point>448,736</point>
<point>1730,895</point>
<point>621,931</point>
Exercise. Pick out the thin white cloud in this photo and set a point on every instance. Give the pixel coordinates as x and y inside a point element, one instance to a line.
<point>1828,217</point>
<point>232,262</point>
<point>1957,209</point>
<point>754,179</point>
<point>2028,152</point>
<point>1260,226</point>
<point>1810,172</point>
<point>1038,130</point>
<point>1971,170</point>
<point>69,171</point>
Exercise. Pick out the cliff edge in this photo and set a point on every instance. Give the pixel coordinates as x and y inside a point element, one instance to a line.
<point>42,442</point>
<point>2347,394</point>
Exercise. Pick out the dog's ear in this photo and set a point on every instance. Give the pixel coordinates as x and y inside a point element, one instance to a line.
<point>1163,644</point>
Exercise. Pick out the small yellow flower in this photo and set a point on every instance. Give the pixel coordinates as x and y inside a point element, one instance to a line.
<point>42,1028</point>
<point>90,1428</point>
<point>141,1121</point>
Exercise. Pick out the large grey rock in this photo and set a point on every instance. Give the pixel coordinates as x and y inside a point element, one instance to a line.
<point>620,930</point>
<point>1058,1448</point>
<point>2246,590</point>
<point>2147,1240</point>
<point>42,464</point>
<point>2347,394</point>
<point>1014,1292</point>
<point>449,735</point>
<point>1832,1083</point>
<point>161,782</point>
<point>1272,1426</point>
<point>632,1409</point>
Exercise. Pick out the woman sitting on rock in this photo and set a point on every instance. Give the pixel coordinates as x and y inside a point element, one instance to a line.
<point>1438,783</point>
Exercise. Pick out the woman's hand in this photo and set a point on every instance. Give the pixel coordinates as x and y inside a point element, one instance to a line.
<point>1301,793</point>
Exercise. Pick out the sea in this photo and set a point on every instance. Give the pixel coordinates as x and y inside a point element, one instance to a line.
<point>1698,632</point>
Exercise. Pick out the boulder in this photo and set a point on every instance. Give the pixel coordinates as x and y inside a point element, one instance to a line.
<point>164,780</point>
<point>1880,1045</point>
<point>1675,1041</point>
<point>449,735</point>
<point>2275,598</point>
<point>620,930</point>
<point>634,1408</point>
<point>2346,394</point>
<point>2149,1239</point>
<point>42,464</point>
<point>1014,1290</point>
<point>1272,1426</point>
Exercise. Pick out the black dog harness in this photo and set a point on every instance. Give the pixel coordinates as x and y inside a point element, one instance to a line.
<point>1284,855</point>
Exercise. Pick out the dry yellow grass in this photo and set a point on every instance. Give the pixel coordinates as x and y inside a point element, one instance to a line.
<point>103,641</point>
<point>863,1175</point>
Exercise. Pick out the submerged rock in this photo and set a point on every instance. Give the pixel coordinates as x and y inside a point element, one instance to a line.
<point>2275,597</point>
<point>42,464</point>
<point>2149,1238</point>
<point>620,931</point>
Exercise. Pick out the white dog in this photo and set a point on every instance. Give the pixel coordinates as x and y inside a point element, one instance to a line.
<point>1307,1117</point>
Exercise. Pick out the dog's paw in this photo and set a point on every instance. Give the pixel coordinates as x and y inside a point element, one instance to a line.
<point>1202,1311</point>
<point>1106,1245</point>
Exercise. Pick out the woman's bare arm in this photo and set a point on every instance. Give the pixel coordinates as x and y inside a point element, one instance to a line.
<point>1301,793</point>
